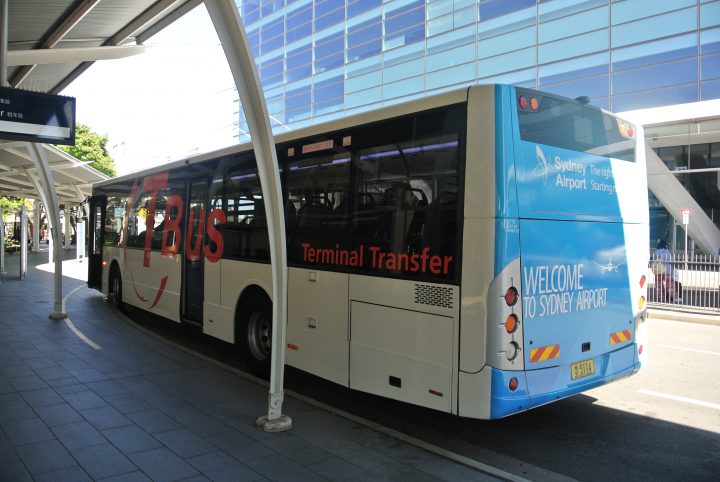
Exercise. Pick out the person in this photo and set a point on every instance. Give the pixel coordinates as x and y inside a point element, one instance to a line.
<point>663,271</point>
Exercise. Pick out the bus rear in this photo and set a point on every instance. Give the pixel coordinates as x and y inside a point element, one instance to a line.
<point>570,248</point>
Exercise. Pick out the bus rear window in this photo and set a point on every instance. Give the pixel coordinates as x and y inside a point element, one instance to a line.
<point>554,121</point>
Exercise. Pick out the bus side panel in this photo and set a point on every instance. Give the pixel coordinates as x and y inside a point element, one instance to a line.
<point>318,323</point>
<point>155,288</point>
<point>235,278</point>
<point>474,398</point>
<point>403,336</point>
<point>218,320</point>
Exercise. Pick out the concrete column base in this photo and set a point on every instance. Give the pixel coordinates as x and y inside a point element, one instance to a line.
<point>281,424</point>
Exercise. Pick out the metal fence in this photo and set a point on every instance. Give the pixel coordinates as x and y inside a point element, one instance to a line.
<point>677,281</point>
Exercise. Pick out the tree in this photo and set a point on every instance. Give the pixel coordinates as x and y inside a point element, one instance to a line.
<point>91,146</point>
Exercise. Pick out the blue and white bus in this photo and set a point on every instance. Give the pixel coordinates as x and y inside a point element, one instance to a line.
<point>480,252</point>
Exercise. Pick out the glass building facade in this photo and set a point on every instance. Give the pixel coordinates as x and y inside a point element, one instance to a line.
<point>323,59</point>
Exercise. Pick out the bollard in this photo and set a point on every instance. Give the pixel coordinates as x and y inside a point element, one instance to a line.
<point>2,246</point>
<point>23,242</point>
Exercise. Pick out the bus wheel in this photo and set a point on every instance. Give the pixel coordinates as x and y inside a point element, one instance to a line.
<point>255,333</point>
<point>116,290</point>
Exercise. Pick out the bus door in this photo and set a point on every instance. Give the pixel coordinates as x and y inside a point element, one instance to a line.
<point>96,237</point>
<point>193,288</point>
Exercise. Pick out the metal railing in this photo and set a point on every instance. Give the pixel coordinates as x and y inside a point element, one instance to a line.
<point>677,281</point>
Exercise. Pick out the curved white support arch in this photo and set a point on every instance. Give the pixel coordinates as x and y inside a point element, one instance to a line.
<point>225,17</point>
<point>50,199</point>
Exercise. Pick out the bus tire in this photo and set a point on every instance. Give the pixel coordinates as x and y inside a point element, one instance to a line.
<point>254,333</point>
<point>116,289</point>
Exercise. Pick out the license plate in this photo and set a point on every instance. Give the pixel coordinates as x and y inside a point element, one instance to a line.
<point>582,369</point>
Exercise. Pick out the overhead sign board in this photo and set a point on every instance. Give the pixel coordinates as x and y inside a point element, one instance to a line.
<point>36,117</point>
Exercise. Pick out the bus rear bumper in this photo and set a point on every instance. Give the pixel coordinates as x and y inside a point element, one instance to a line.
<point>542,386</point>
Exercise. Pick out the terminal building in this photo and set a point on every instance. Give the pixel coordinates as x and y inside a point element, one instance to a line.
<point>658,61</point>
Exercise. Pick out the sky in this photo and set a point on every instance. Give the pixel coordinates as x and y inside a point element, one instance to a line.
<point>174,100</point>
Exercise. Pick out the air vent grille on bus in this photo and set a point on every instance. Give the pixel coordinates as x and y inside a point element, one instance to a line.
<point>433,296</point>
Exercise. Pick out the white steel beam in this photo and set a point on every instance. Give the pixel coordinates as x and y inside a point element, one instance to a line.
<point>67,228</point>
<point>229,27</point>
<point>53,213</point>
<point>36,227</point>
<point>70,55</point>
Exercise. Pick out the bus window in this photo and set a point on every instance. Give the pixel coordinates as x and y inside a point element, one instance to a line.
<point>113,219</point>
<point>318,191</point>
<point>407,193</point>
<point>236,190</point>
<point>559,122</point>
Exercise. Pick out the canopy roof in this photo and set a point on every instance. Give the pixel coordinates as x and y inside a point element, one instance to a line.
<point>73,179</point>
<point>81,25</point>
<point>67,36</point>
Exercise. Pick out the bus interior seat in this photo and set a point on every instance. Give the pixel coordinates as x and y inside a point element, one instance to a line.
<point>313,210</point>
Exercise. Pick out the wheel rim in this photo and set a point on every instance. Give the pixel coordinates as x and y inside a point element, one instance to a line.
<point>258,335</point>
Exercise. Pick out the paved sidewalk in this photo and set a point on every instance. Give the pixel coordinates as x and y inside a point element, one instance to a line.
<point>707,318</point>
<point>140,409</point>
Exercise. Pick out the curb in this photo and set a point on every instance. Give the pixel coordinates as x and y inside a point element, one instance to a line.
<point>685,316</point>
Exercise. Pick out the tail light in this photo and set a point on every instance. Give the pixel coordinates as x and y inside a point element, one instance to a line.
<point>513,384</point>
<point>511,323</point>
<point>524,103</point>
<point>511,296</point>
<point>512,350</point>
<point>642,281</point>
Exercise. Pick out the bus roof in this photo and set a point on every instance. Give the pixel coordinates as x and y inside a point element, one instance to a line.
<point>395,110</point>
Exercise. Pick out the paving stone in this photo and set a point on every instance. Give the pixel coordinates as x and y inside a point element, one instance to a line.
<point>136,476</point>
<point>23,432</point>
<point>70,474</point>
<point>105,417</point>
<point>87,375</point>
<point>30,382</point>
<point>162,465</point>
<point>43,361</point>
<point>153,421</point>
<point>202,424</point>
<point>277,467</point>
<point>17,410</point>
<point>17,370</point>
<point>240,446</point>
<point>337,469</point>
<point>102,461</point>
<point>84,400</point>
<point>43,457</point>
<point>60,414</point>
<point>41,397</point>
<point>397,471</point>
<point>14,471</point>
<point>185,443</point>
<point>220,466</point>
<point>78,435</point>
<point>130,439</point>
<point>127,403</point>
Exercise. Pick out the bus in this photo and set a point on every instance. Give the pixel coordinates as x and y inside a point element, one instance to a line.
<point>479,252</point>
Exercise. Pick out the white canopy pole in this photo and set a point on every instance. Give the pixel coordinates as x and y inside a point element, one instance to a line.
<point>225,17</point>
<point>36,227</point>
<point>37,152</point>
<point>3,82</point>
